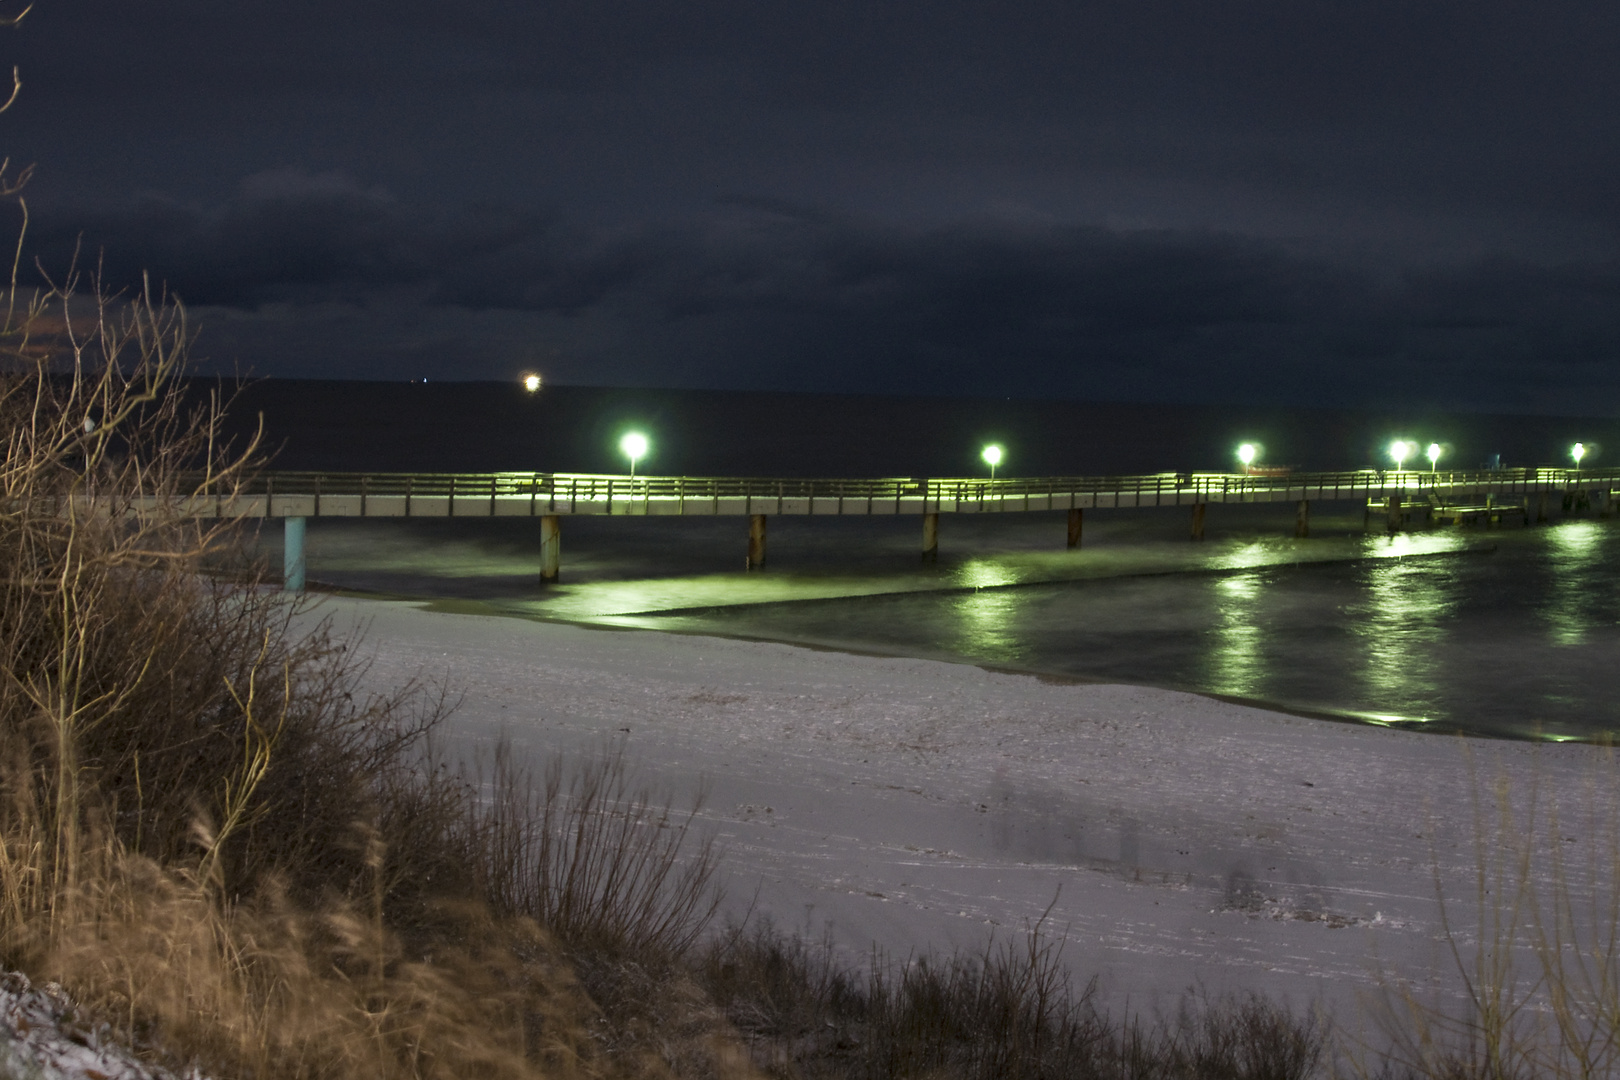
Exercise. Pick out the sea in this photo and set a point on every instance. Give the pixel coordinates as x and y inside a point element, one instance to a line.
<point>1510,632</point>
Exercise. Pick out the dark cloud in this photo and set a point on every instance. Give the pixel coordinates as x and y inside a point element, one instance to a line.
<point>762,294</point>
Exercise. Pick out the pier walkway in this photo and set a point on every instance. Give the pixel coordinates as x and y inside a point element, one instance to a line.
<point>296,496</point>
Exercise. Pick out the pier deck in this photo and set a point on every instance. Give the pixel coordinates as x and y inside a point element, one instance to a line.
<point>519,494</point>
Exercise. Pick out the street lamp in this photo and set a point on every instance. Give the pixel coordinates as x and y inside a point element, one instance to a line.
<point>1577,452</point>
<point>1398,450</point>
<point>634,446</point>
<point>1433,454</point>
<point>1247,454</point>
<point>531,382</point>
<point>992,458</point>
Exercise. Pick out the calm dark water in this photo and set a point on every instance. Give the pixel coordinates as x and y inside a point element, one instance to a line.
<point>1516,637</point>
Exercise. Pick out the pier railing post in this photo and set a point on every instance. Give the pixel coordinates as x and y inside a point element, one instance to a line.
<point>756,542</point>
<point>1076,523</point>
<point>292,555</point>
<point>1392,513</point>
<point>550,548</point>
<point>1302,520</point>
<point>930,544</point>
<point>1198,521</point>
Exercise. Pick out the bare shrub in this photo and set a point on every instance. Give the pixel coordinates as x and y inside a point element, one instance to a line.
<point>1535,947</point>
<point>1007,1010</point>
<point>600,862</point>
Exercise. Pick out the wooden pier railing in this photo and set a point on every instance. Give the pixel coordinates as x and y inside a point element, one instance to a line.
<point>525,494</point>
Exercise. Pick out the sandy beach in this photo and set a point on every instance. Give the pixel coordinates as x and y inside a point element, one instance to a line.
<point>1179,841</point>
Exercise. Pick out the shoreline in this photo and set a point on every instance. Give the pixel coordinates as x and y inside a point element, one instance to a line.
<point>649,621</point>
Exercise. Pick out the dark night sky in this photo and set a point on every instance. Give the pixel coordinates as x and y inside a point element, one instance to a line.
<point>1268,201</point>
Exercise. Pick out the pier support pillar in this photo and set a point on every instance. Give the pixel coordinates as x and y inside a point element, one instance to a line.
<point>1302,520</point>
<point>756,543</point>
<point>1541,507</point>
<point>1198,521</point>
<point>1392,513</point>
<point>1076,522</point>
<point>930,547</point>
<point>550,548</point>
<point>292,555</point>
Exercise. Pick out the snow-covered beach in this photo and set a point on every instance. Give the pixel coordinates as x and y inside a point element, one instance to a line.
<point>1179,840</point>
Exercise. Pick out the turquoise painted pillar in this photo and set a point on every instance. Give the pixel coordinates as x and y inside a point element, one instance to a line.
<point>292,555</point>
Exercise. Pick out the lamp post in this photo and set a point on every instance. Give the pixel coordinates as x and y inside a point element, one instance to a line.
<point>1247,453</point>
<point>1577,452</point>
<point>1398,450</point>
<point>992,458</point>
<point>1433,454</point>
<point>634,446</point>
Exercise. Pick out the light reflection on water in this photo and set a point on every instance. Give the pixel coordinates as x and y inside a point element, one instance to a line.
<point>1403,621</point>
<point>1514,639</point>
<point>1574,607</point>
<point>1236,661</point>
<point>987,625</point>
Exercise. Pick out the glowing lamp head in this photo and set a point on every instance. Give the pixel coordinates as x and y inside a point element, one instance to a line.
<point>992,456</point>
<point>1247,453</point>
<point>1432,453</point>
<point>531,383</point>
<point>1398,450</point>
<point>634,445</point>
<point>1577,452</point>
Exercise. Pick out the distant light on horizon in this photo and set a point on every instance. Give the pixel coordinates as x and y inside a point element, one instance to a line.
<point>531,382</point>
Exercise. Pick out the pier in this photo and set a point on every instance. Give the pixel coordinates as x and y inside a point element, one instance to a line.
<point>1483,496</point>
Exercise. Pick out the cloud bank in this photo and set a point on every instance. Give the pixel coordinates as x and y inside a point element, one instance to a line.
<point>317,274</point>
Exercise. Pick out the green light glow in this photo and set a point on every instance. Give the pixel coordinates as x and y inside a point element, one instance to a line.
<point>1577,452</point>
<point>992,457</point>
<point>1247,453</point>
<point>1433,454</point>
<point>1398,450</point>
<point>634,445</point>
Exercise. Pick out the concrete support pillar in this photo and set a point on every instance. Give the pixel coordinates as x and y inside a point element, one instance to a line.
<point>1302,520</point>
<point>292,555</point>
<point>1198,521</point>
<point>756,542</point>
<point>1076,522</point>
<point>930,548</point>
<point>1541,507</point>
<point>550,548</point>
<point>1392,513</point>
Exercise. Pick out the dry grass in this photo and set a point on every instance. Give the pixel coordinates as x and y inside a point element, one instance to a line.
<point>215,839</point>
<point>1006,1011</point>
